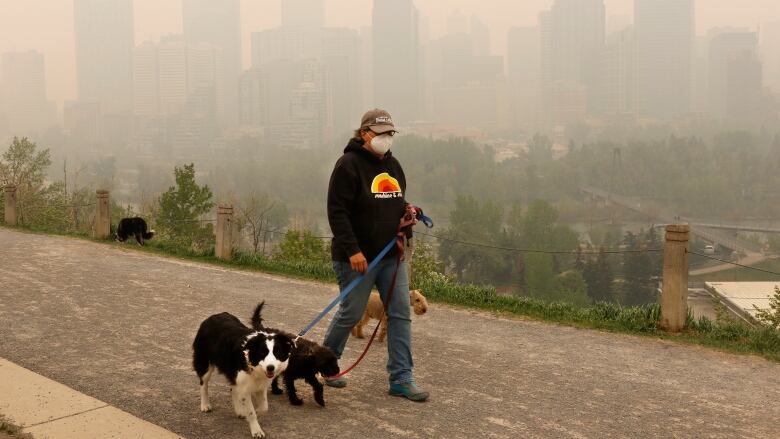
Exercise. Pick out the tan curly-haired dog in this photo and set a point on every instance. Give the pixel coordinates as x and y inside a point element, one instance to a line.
<point>375,310</point>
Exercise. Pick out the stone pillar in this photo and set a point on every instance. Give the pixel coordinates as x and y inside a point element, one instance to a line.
<point>674,290</point>
<point>102,215</point>
<point>223,249</point>
<point>11,212</point>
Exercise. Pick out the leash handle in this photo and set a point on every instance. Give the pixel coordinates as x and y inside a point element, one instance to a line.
<point>355,282</point>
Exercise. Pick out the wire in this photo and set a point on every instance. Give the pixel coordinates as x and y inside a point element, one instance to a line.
<point>734,263</point>
<point>525,250</point>
<point>62,205</point>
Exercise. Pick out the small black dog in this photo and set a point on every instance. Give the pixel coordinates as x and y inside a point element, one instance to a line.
<point>133,227</point>
<point>306,360</point>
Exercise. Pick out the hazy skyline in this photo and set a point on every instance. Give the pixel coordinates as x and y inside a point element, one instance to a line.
<point>47,25</point>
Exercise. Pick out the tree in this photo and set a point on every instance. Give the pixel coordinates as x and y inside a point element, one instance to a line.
<point>424,263</point>
<point>599,278</point>
<point>771,316</point>
<point>639,270</point>
<point>182,205</point>
<point>540,149</point>
<point>302,246</point>
<point>471,221</point>
<point>25,167</point>
<point>260,216</point>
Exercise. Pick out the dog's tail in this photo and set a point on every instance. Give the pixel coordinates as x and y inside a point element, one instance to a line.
<point>149,234</point>
<point>257,320</point>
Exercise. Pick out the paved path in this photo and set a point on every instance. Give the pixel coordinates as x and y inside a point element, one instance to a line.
<point>117,325</point>
<point>48,410</point>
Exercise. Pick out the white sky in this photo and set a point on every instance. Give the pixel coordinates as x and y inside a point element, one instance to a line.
<point>47,25</point>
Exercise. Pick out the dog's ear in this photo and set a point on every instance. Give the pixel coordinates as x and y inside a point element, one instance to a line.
<point>286,339</point>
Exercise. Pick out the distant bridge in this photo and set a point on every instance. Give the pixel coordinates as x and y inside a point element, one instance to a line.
<point>708,231</point>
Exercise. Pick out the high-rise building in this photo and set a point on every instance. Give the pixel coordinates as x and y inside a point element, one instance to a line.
<point>218,23</point>
<point>172,70</point>
<point>732,78</point>
<point>770,54</point>
<point>617,90</point>
<point>288,43</point>
<point>480,36</point>
<point>578,28</point>
<point>23,90</point>
<point>104,54</point>
<point>396,58</point>
<point>745,88</point>
<point>146,75</point>
<point>665,34</point>
<point>524,74</point>
<point>306,74</point>
<point>177,92</point>
<point>303,13</point>
<point>343,63</point>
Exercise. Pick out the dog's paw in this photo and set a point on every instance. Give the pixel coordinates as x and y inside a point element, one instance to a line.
<point>257,432</point>
<point>320,400</point>
<point>296,401</point>
<point>277,391</point>
<point>205,408</point>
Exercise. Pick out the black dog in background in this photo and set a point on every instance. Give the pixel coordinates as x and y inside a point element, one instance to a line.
<point>133,227</point>
<point>307,359</point>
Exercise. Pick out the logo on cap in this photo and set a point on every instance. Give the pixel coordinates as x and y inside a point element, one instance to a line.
<point>384,120</point>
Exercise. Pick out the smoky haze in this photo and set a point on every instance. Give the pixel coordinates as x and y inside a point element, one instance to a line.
<point>47,26</point>
<point>528,115</point>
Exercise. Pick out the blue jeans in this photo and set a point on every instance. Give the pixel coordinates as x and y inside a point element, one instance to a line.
<point>399,321</point>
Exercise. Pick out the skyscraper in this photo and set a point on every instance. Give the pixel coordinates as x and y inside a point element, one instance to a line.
<point>146,91</point>
<point>734,72</point>
<point>218,23</point>
<point>665,34</point>
<point>23,89</point>
<point>770,54</point>
<point>396,63</point>
<point>617,91</point>
<point>524,74</point>
<point>578,28</point>
<point>104,54</point>
<point>303,13</point>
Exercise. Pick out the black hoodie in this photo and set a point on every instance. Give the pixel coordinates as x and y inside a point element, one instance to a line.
<point>365,202</point>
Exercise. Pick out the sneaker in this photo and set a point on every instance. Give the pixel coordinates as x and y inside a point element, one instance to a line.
<point>336,382</point>
<point>409,391</point>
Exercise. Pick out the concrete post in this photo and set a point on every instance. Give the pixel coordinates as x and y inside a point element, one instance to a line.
<point>102,215</point>
<point>674,290</point>
<point>223,249</point>
<point>11,213</point>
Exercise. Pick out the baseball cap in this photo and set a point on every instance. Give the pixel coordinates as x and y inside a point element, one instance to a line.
<point>379,121</point>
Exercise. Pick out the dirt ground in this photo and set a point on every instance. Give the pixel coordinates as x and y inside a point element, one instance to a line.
<point>118,325</point>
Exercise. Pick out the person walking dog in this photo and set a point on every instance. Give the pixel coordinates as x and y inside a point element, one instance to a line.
<point>366,200</point>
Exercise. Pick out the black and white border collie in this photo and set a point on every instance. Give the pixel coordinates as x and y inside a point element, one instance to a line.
<point>133,227</point>
<point>249,360</point>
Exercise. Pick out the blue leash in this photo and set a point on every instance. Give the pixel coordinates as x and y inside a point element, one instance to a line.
<point>349,287</point>
<point>343,295</point>
<point>425,220</point>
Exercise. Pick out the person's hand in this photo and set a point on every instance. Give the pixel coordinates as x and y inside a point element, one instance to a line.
<point>358,262</point>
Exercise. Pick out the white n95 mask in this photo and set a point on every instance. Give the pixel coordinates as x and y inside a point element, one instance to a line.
<point>382,143</point>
